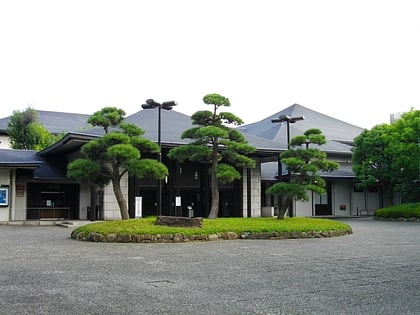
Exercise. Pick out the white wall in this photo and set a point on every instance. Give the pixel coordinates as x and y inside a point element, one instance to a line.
<point>358,203</point>
<point>364,202</point>
<point>303,208</point>
<point>4,142</point>
<point>372,202</point>
<point>255,191</point>
<point>19,211</point>
<point>5,181</point>
<point>84,201</point>
<point>341,197</point>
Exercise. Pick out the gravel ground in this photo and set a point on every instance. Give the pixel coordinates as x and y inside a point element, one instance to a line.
<point>376,270</point>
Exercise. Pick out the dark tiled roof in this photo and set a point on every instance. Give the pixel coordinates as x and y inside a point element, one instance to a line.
<point>56,122</point>
<point>19,158</point>
<point>344,171</point>
<point>69,143</point>
<point>269,172</point>
<point>53,169</point>
<point>43,169</point>
<point>339,134</point>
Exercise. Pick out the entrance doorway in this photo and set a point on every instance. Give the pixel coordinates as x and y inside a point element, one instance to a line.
<point>323,202</point>
<point>52,201</point>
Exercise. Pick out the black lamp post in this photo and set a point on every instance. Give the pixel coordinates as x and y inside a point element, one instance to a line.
<point>150,103</point>
<point>289,120</point>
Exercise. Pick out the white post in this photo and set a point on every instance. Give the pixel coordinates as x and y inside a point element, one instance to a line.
<point>138,207</point>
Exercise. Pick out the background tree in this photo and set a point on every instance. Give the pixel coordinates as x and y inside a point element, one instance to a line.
<point>214,143</point>
<point>406,146</point>
<point>304,165</point>
<point>119,151</point>
<point>389,155</point>
<point>25,132</point>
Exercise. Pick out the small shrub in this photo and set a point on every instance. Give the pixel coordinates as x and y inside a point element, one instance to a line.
<point>405,210</point>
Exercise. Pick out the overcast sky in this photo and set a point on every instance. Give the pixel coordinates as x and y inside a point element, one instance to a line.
<point>358,61</point>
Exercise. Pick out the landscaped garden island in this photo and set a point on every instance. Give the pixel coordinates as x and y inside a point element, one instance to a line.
<point>146,230</point>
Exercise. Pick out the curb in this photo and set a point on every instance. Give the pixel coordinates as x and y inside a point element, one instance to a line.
<point>181,238</point>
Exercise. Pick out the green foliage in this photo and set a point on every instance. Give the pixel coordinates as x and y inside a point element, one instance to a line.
<point>227,173</point>
<point>389,155</point>
<point>312,135</point>
<point>107,117</point>
<point>144,145</point>
<point>216,100</point>
<point>212,142</point>
<point>405,210</point>
<point>304,165</point>
<point>212,226</point>
<point>230,119</point>
<point>119,151</point>
<point>147,168</point>
<point>192,152</point>
<point>89,171</point>
<point>210,133</point>
<point>202,118</point>
<point>291,190</point>
<point>27,133</point>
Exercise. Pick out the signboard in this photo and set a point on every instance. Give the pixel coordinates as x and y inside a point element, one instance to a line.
<point>178,201</point>
<point>4,196</point>
<point>20,190</point>
<point>138,213</point>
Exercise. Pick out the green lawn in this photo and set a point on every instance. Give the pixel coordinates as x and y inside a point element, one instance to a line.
<point>214,226</point>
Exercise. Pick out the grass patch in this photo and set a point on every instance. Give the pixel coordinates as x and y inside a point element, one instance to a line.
<point>404,210</point>
<point>213,226</point>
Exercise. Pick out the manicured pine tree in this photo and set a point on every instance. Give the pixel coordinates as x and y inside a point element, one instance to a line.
<point>214,143</point>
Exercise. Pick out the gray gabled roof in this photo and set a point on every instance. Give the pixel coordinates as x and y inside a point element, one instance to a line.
<point>55,122</point>
<point>339,134</point>
<point>173,124</point>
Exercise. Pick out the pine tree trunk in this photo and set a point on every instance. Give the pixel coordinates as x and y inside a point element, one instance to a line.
<point>120,199</point>
<point>283,206</point>
<point>214,210</point>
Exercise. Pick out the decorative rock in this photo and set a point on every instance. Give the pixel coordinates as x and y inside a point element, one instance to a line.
<point>295,235</point>
<point>111,238</point>
<point>124,238</point>
<point>180,221</point>
<point>178,238</point>
<point>212,237</point>
<point>231,236</point>
<point>167,237</point>
<point>95,237</point>
<point>262,236</point>
<point>200,237</point>
<point>136,238</point>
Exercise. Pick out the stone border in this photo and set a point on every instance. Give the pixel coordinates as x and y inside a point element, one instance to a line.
<point>399,219</point>
<point>181,238</point>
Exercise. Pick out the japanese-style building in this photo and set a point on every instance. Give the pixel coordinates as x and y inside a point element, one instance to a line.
<point>34,186</point>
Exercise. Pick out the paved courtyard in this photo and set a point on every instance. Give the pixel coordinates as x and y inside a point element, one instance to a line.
<point>376,270</point>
